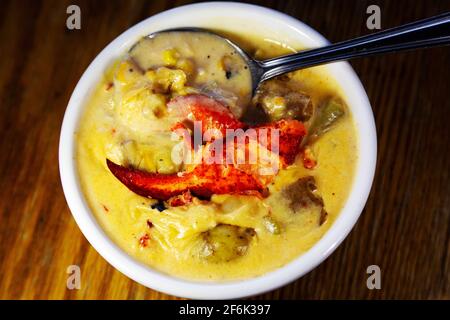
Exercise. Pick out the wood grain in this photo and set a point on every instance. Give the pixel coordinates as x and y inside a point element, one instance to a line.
<point>404,228</point>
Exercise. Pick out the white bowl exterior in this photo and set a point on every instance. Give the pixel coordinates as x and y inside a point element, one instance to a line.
<point>274,25</point>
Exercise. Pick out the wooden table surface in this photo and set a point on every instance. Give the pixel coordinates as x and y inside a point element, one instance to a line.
<point>404,228</point>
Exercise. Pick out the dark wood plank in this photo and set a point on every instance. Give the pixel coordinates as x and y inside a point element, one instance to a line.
<point>404,228</point>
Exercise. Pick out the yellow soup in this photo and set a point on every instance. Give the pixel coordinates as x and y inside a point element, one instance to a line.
<point>227,236</point>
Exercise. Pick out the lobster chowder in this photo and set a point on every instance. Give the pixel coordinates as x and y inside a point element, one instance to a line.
<point>192,176</point>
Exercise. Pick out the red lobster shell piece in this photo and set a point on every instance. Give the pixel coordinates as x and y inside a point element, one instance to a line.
<point>291,133</point>
<point>211,113</point>
<point>204,179</point>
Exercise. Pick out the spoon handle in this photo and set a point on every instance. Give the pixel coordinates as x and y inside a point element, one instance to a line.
<point>430,32</point>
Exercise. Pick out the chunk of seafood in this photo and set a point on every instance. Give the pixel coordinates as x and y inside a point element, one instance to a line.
<point>214,115</point>
<point>291,133</point>
<point>204,181</point>
<point>211,113</point>
<point>220,177</point>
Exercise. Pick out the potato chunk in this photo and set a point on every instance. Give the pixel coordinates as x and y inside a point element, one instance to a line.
<point>226,242</point>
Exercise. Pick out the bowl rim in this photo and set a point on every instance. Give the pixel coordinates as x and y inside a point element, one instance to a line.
<point>162,282</point>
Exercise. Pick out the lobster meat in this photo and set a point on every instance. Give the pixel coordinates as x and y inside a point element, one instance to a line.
<point>205,178</point>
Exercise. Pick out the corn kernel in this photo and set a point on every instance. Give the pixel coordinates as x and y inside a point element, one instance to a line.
<point>170,57</point>
<point>126,73</point>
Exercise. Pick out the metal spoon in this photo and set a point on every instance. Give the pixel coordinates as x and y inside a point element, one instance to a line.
<point>426,33</point>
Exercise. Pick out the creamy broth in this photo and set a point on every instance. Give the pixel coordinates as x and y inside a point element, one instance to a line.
<point>128,123</point>
<point>219,68</point>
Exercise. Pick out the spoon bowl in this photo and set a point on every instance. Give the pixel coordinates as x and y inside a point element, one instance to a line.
<point>425,33</point>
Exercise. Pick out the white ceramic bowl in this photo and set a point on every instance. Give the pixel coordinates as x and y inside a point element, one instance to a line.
<point>234,17</point>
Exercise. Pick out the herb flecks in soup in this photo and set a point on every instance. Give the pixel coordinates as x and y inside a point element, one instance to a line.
<point>214,217</point>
